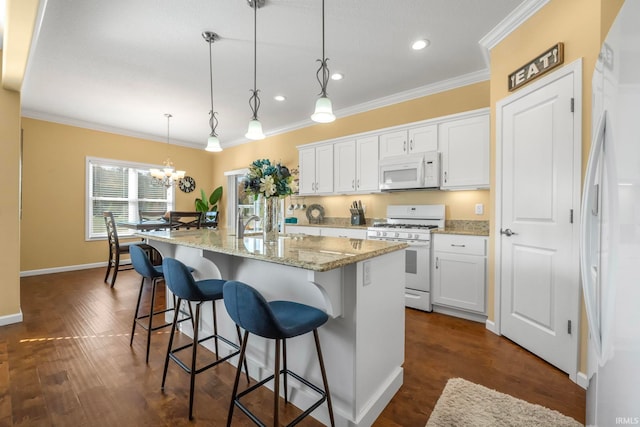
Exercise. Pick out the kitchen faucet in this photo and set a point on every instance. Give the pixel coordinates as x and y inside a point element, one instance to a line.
<point>242,225</point>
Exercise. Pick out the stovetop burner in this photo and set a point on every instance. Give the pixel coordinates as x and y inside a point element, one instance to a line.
<point>405,226</point>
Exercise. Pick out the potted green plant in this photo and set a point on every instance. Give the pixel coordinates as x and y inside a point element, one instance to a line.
<point>209,205</point>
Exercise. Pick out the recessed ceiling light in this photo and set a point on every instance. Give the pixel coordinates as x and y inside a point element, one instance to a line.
<point>337,76</point>
<point>420,44</point>
<point>279,98</point>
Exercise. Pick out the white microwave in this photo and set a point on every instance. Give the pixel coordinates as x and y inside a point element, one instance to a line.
<point>414,171</point>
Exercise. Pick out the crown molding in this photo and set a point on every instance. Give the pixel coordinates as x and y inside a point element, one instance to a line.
<point>516,18</point>
<point>419,92</point>
<point>37,115</point>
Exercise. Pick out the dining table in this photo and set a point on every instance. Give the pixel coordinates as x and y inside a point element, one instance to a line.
<point>145,225</point>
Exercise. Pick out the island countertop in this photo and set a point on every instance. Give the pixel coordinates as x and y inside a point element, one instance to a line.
<point>314,253</point>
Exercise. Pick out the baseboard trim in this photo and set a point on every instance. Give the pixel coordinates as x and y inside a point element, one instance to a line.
<point>11,318</point>
<point>450,311</point>
<point>491,326</point>
<point>63,269</point>
<point>582,380</point>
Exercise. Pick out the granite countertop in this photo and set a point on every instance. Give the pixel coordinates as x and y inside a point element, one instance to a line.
<point>464,227</point>
<point>309,252</point>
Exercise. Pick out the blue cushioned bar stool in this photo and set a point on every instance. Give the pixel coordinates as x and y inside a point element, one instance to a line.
<point>276,320</point>
<point>182,284</point>
<point>143,266</point>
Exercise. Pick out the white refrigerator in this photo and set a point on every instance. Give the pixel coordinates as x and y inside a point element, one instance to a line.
<point>610,235</point>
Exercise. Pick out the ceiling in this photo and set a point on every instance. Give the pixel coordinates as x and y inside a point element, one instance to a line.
<point>120,65</point>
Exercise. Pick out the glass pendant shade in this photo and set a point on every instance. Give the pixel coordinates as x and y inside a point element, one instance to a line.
<point>324,111</point>
<point>254,131</point>
<point>213,144</point>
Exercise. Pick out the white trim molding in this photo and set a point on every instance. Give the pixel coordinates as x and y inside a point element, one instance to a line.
<point>65,268</point>
<point>518,16</point>
<point>11,318</point>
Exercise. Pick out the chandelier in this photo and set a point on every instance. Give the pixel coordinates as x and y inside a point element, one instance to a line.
<point>324,111</point>
<point>168,175</point>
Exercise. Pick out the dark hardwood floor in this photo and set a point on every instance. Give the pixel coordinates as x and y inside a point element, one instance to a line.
<point>69,364</point>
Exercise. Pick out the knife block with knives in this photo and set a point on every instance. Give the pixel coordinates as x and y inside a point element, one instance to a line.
<point>357,213</point>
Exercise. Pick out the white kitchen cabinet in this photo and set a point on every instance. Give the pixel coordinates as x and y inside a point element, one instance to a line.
<point>350,233</point>
<point>459,272</point>
<point>356,165</point>
<point>417,139</point>
<point>302,229</point>
<point>316,170</point>
<point>309,230</point>
<point>464,147</point>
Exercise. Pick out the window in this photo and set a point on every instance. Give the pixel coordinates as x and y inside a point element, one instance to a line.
<point>123,188</point>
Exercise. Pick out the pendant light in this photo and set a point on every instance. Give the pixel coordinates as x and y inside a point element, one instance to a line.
<point>213,143</point>
<point>254,130</point>
<point>167,176</point>
<point>324,110</point>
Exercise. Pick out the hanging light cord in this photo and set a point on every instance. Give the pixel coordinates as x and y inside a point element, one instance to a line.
<point>168,116</point>
<point>254,100</point>
<point>213,120</point>
<point>324,69</point>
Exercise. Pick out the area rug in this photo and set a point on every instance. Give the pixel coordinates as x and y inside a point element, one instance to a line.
<point>464,403</point>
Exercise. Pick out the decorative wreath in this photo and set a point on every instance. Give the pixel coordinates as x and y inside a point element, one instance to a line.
<point>315,214</point>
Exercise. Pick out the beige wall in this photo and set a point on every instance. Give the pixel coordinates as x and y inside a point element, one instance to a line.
<point>53,221</point>
<point>460,204</point>
<point>9,205</point>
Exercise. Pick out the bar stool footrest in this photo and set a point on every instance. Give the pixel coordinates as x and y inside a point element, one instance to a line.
<point>256,420</point>
<point>186,368</point>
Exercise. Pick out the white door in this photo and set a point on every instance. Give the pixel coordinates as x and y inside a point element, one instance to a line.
<point>539,191</point>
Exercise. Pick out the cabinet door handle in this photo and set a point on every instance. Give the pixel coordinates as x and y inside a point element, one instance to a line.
<point>358,183</point>
<point>404,146</point>
<point>458,246</point>
<point>411,144</point>
<point>445,177</point>
<point>437,262</point>
<point>353,184</point>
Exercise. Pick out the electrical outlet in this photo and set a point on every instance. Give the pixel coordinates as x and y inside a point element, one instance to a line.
<point>479,209</point>
<point>366,273</point>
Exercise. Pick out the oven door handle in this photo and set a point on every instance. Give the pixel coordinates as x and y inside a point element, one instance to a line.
<point>413,296</point>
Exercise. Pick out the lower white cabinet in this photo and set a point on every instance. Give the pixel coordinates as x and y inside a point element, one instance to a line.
<point>351,233</point>
<point>459,272</point>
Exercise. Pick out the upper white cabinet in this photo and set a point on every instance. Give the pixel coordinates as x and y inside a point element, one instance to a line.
<point>464,147</point>
<point>412,140</point>
<point>356,165</point>
<point>351,164</point>
<point>316,170</point>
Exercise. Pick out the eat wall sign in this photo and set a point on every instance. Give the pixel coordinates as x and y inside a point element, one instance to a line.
<point>544,62</point>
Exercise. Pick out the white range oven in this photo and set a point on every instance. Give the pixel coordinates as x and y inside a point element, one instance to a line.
<point>412,224</point>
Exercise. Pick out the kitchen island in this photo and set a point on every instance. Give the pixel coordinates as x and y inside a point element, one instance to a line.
<point>359,283</point>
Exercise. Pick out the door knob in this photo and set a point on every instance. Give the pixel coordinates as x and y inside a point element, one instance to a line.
<point>508,232</point>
